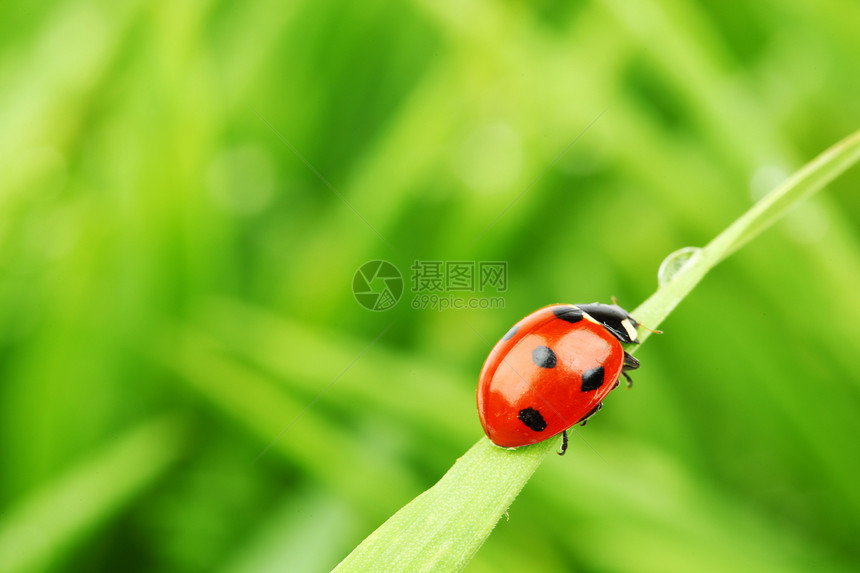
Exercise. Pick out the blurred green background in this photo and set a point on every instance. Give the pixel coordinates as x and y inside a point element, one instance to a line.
<point>175,280</point>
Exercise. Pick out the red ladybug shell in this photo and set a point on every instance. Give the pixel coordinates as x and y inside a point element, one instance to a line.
<point>550,371</point>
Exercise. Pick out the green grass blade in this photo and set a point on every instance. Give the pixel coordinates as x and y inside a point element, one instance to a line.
<point>806,181</point>
<point>442,528</point>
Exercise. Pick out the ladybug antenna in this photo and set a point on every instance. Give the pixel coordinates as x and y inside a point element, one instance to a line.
<point>651,330</point>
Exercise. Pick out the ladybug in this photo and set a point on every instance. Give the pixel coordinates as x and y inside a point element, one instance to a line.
<point>552,370</point>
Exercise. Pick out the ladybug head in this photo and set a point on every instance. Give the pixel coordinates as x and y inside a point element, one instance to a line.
<point>614,319</point>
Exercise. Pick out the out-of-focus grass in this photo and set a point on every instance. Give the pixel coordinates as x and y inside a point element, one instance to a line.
<point>161,250</point>
<point>36,533</point>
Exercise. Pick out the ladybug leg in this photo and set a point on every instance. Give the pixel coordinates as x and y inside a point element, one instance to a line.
<point>563,443</point>
<point>629,380</point>
<point>596,409</point>
<point>630,363</point>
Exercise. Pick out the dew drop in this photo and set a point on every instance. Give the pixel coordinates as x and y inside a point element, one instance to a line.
<point>676,263</point>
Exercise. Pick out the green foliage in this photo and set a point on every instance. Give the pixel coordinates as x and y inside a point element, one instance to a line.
<point>164,253</point>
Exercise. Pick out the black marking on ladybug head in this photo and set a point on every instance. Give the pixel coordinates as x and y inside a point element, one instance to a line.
<point>532,419</point>
<point>592,379</point>
<point>544,357</point>
<point>569,314</point>
<point>510,334</point>
<point>614,319</point>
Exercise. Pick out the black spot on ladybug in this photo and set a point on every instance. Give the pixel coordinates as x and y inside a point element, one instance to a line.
<point>592,379</point>
<point>570,314</point>
<point>544,357</point>
<point>510,334</point>
<point>532,418</point>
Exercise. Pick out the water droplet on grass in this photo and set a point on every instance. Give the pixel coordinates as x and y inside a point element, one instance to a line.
<point>676,263</point>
